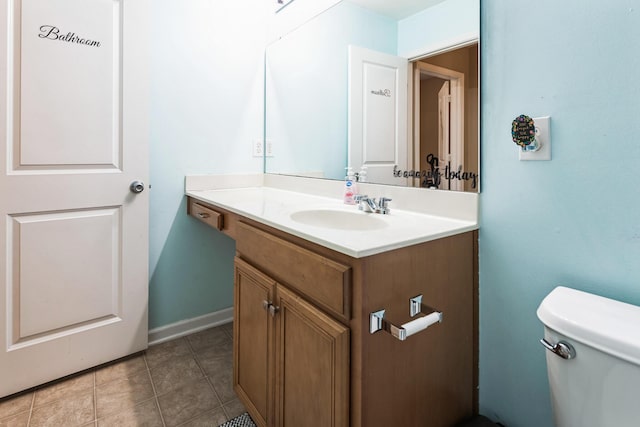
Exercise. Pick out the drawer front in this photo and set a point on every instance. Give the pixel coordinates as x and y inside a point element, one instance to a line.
<point>207,215</point>
<point>324,281</point>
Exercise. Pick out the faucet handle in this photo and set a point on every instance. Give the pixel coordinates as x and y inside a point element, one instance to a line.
<point>359,198</point>
<point>382,205</point>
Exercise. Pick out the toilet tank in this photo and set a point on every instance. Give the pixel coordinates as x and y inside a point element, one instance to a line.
<point>600,385</point>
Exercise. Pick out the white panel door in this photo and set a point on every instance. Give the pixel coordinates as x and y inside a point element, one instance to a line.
<point>74,237</point>
<point>378,115</point>
<point>444,145</point>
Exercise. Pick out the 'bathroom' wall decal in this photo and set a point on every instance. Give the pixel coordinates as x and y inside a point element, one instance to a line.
<point>52,32</point>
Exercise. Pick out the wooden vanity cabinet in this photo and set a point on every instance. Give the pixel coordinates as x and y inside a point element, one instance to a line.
<point>314,361</point>
<point>291,361</point>
<point>253,361</point>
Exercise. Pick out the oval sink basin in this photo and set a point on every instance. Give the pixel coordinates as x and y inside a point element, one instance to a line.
<point>339,220</point>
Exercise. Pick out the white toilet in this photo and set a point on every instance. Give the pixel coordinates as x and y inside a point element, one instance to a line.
<point>593,360</point>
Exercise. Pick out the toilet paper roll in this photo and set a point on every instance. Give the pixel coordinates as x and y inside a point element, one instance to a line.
<point>421,323</point>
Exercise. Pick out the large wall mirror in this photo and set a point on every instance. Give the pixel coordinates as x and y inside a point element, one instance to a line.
<point>385,87</point>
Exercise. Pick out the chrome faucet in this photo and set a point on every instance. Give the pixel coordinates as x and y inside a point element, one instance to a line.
<point>367,204</point>
<point>383,206</point>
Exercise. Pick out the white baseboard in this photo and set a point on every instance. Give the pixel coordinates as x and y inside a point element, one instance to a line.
<point>189,326</point>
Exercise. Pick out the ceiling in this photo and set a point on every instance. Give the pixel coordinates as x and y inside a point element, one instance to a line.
<point>397,9</point>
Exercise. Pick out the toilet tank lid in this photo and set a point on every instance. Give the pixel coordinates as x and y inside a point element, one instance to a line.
<point>610,326</point>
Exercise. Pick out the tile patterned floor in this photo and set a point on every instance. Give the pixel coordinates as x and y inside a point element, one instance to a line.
<point>184,382</point>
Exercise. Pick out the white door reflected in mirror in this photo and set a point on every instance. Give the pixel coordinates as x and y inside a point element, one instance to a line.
<point>377,115</point>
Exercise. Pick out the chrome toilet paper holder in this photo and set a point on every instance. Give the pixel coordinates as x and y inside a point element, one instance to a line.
<point>377,322</point>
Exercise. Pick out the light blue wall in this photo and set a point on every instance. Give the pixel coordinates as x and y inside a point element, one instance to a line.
<point>574,220</point>
<point>206,83</point>
<point>307,88</point>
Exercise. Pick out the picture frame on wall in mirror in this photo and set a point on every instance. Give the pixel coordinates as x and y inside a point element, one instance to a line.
<point>280,4</point>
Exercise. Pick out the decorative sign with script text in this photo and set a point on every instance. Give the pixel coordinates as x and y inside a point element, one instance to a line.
<point>523,130</point>
<point>51,32</point>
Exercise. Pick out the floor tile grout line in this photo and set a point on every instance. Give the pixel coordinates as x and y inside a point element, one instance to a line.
<point>209,411</point>
<point>35,389</point>
<point>205,375</point>
<point>195,357</point>
<point>218,396</point>
<point>229,333</point>
<point>153,387</point>
<point>114,413</point>
<point>193,352</point>
<point>33,399</point>
<point>53,383</point>
<point>202,370</point>
<point>215,392</point>
<point>220,404</point>
<point>95,400</point>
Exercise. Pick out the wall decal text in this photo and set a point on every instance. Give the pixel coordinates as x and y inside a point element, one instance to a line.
<point>52,32</point>
<point>382,92</point>
<point>433,177</point>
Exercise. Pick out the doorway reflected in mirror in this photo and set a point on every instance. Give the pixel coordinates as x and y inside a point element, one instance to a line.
<point>445,119</point>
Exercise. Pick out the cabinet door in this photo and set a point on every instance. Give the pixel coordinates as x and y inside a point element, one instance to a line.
<point>253,342</point>
<point>312,365</point>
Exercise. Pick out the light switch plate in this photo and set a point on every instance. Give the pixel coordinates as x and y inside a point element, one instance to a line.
<point>543,135</point>
<point>269,148</point>
<point>258,148</point>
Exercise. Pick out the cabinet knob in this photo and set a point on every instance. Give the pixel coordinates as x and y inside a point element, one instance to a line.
<point>273,309</point>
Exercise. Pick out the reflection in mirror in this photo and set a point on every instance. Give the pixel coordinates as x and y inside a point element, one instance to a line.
<point>340,92</point>
<point>445,104</point>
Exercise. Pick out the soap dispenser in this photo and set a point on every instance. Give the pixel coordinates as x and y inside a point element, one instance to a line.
<point>350,187</point>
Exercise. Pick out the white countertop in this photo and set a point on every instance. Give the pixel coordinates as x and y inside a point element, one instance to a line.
<point>274,206</point>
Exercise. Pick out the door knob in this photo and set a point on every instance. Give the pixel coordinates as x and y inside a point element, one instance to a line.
<point>136,187</point>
